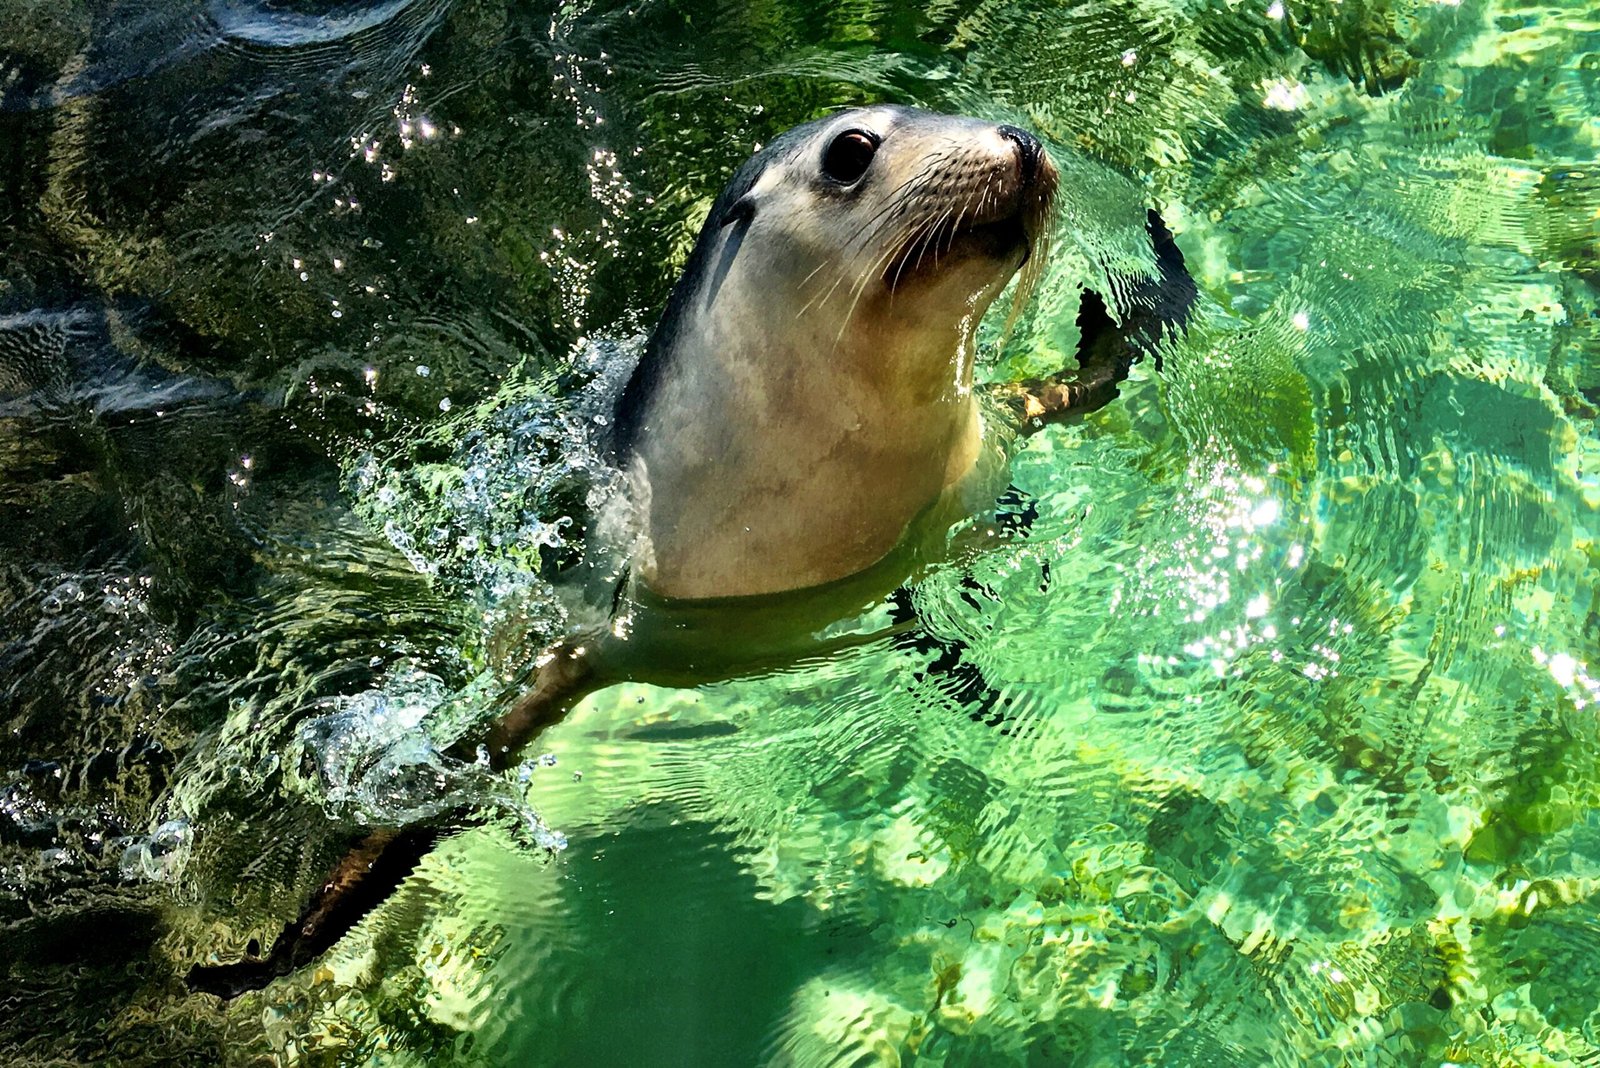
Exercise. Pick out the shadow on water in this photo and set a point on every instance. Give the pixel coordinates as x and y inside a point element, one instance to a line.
<point>695,995</point>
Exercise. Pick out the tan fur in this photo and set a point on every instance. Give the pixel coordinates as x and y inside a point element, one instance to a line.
<point>820,400</point>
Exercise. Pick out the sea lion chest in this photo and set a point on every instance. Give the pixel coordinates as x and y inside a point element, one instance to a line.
<point>779,456</point>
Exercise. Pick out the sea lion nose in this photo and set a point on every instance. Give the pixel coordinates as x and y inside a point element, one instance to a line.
<point>1028,149</point>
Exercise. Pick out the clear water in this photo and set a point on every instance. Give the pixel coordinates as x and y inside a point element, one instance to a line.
<point>1300,761</point>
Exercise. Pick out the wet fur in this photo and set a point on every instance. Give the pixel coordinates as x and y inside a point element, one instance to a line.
<point>656,361</point>
<point>809,391</point>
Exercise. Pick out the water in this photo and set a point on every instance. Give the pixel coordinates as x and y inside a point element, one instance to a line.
<point>1297,759</point>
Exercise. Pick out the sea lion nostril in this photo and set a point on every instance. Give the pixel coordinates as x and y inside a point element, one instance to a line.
<point>1028,149</point>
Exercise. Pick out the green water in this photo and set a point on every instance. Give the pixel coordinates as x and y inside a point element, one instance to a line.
<point>1298,760</point>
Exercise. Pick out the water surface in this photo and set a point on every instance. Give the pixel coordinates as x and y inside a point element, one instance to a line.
<point>1293,756</point>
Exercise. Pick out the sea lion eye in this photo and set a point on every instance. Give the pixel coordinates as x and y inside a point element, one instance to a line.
<point>848,157</point>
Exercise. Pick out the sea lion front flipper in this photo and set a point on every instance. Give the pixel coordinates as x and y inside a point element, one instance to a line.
<point>1036,401</point>
<point>362,881</point>
<point>1156,307</point>
<point>959,677</point>
<point>378,863</point>
<point>565,676</point>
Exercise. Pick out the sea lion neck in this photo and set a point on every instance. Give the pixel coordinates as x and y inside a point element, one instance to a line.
<point>791,462</point>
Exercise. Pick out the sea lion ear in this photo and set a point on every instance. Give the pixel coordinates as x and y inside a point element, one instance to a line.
<point>741,211</point>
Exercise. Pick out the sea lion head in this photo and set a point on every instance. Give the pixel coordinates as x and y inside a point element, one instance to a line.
<point>889,214</point>
<point>809,387</point>
<point>883,230</point>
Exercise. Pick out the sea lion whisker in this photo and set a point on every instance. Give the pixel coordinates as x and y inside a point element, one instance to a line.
<point>844,268</point>
<point>874,269</point>
<point>931,241</point>
<point>901,205</point>
<point>860,289</point>
<point>1033,268</point>
<point>899,200</point>
<point>913,241</point>
<point>912,234</point>
<point>953,229</point>
<point>807,306</point>
<point>813,273</point>
<point>864,276</point>
<point>978,211</point>
<point>898,194</point>
<point>844,273</point>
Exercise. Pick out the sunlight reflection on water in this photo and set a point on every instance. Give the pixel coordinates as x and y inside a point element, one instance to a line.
<point>1288,754</point>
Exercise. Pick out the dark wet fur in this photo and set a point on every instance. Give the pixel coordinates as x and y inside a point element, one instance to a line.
<point>1160,306</point>
<point>654,364</point>
<point>1156,308</point>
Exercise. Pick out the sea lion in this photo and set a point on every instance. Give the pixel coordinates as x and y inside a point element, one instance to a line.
<point>801,428</point>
